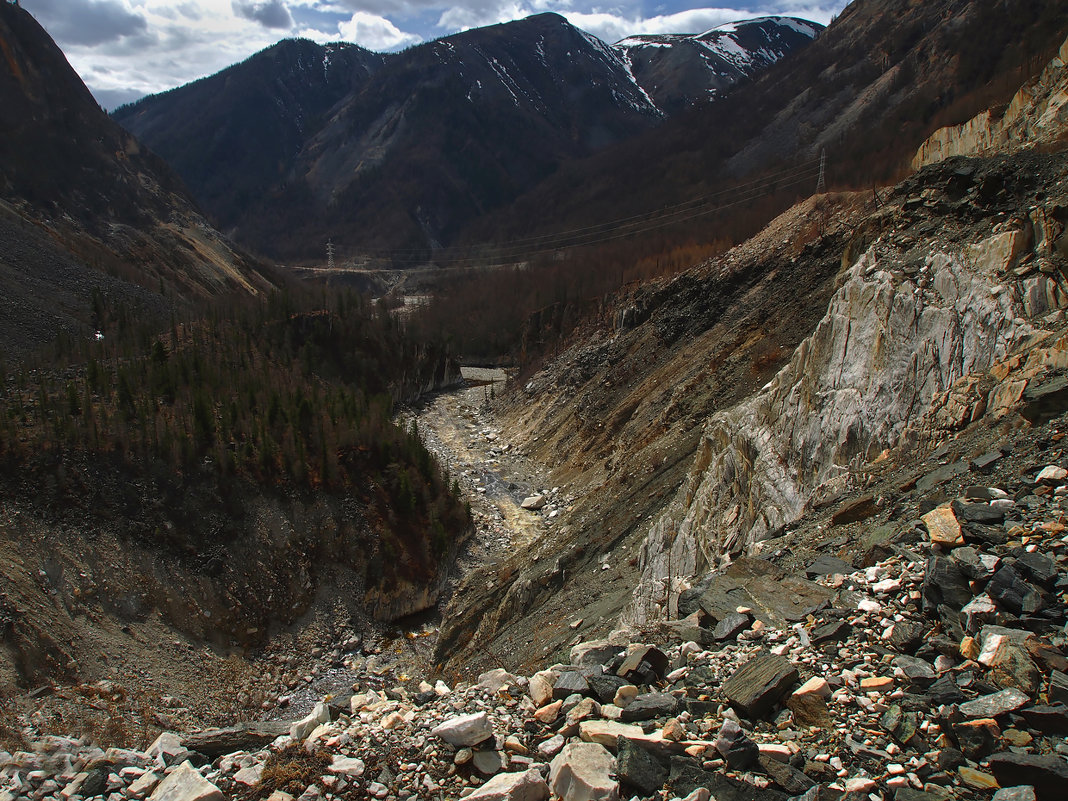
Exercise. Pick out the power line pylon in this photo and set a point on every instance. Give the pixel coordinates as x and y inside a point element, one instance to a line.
<point>330,256</point>
<point>821,184</point>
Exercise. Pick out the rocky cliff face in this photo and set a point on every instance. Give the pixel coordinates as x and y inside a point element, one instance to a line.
<point>959,270</point>
<point>1037,115</point>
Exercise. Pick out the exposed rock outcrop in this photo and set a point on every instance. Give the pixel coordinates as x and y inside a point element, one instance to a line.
<point>912,317</point>
<point>1037,115</point>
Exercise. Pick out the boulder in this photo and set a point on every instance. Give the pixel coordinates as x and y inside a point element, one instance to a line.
<point>185,783</point>
<point>607,732</point>
<point>758,685</point>
<point>650,705</point>
<point>242,737</point>
<point>994,704</point>
<point>526,786</point>
<point>466,730</point>
<point>638,769</point>
<point>584,772</point>
<point>943,527</point>
<point>1047,774</point>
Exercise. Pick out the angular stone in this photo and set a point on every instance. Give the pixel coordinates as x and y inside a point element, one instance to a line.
<point>526,786</point>
<point>943,528</point>
<point>1058,687</point>
<point>976,738</point>
<point>854,511</point>
<point>685,777</point>
<point>1052,474</point>
<point>656,659</point>
<point>540,687</point>
<point>650,705</point>
<point>534,502</point>
<point>593,653</point>
<point>1022,792</point>
<point>466,730</point>
<point>242,737</point>
<point>1009,589</point>
<point>978,513</point>
<point>835,631</point>
<point>828,565</point>
<point>918,672</point>
<point>735,747</point>
<point>584,772</point>
<point>774,597</point>
<point>1046,719</point>
<point>730,627</point>
<point>785,776</point>
<point>977,779</point>
<point>638,769</point>
<point>999,703</point>
<point>605,686</point>
<point>758,685</point>
<point>907,636</point>
<point>185,783</point>
<point>347,766</point>
<point>944,583</point>
<point>495,680</point>
<point>1011,666</point>
<point>816,685</point>
<point>1047,774</point>
<point>945,691</point>
<point>1037,568</point>
<point>570,682</point>
<point>142,785</point>
<point>607,732</point>
<point>809,709</point>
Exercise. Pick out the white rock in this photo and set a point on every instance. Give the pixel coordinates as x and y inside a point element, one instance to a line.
<point>186,784</point>
<point>493,680</point>
<point>526,786</point>
<point>533,502</point>
<point>347,766</point>
<point>583,772</point>
<point>143,785</point>
<point>605,732</point>
<point>465,730</point>
<point>1052,473</point>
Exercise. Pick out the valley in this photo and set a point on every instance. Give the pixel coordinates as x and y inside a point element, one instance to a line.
<point>772,506</point>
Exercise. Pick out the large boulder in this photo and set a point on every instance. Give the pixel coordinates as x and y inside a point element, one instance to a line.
<point>584,772</point>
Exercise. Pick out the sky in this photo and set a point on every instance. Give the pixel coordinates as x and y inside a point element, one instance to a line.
<point>124,49</point>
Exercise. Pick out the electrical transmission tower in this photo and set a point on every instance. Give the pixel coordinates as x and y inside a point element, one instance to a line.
<point>821,184</point>
<point>330,256</point>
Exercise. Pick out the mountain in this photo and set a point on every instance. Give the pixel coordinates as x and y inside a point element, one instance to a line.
<point>866,91</point>
<point>83,206</point>
<point>678,70</point>
<point>404,150</point>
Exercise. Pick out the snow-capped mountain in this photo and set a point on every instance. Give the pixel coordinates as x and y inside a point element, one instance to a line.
<point>301,142</point>
<point>677,70</point>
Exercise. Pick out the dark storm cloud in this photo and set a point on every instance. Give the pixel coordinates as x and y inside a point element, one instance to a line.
<point>268,13</point>
<point>86,22</point>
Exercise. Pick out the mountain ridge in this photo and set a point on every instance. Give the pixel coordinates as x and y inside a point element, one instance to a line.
<point>425,141</point>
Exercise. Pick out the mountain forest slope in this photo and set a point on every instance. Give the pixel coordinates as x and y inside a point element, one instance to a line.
<point>101,212</point>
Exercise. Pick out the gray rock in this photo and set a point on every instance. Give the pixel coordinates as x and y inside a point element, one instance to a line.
<point>835,631</point>
<point>1037,568</point>
<point>731,626</point>
<point>918,672</point>
<point>978,512</point>
<point>568,683</point>
<point>758,685</point>
<point>594,653</point>
<point>648,706</point>
<point>945,583</point>
<point>1047,774</point>
<point>788,778</point>
<point>1009,589</point>
<point>1046,719</point>
<point>1021,792</point>
<point>656,660</point>
<point>735,747</point>
<point>638,769</point>
<point>242,737</point>
<point>999,703</point>
<point>907,636</point>
<point>604,686</point>
<point>487,762</point>
<point>828,565</point>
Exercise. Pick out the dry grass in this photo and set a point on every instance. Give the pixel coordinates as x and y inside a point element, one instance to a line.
<point>290,770</point>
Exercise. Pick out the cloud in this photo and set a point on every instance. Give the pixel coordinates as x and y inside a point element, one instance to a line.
<point>375,32</point>
<point>268,13</point>
<point>87,22</point>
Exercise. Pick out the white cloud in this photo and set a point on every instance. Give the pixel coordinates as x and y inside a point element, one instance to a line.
<point>375,32</point>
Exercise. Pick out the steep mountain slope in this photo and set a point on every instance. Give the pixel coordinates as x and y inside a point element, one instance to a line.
<point>858,336</point>
<point>402,151</point>
<point>230,136</point>
<point>678,70</point>
<point>92,192</point>
<point>866,90</point>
